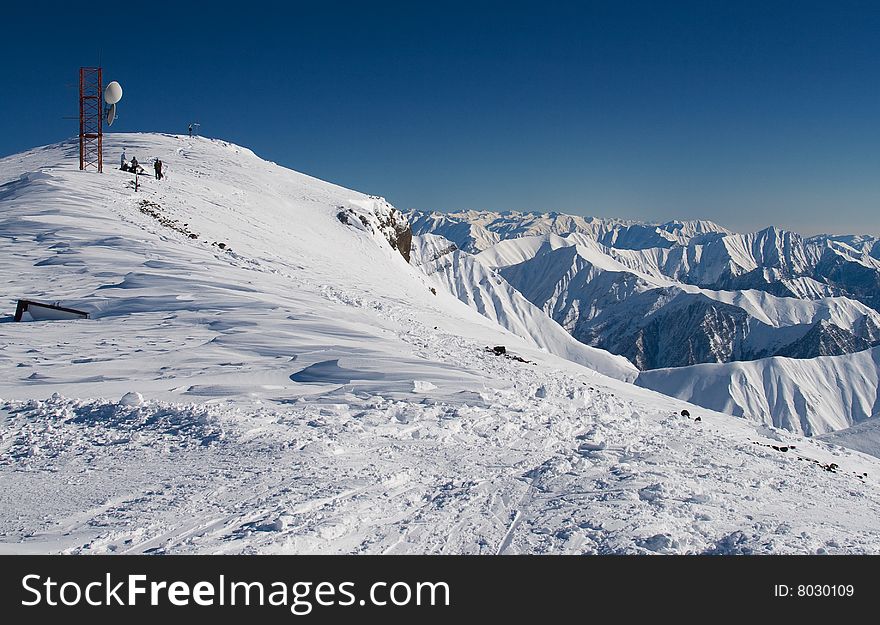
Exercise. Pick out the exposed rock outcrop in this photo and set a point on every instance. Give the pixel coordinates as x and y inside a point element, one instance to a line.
<point>379,218</point>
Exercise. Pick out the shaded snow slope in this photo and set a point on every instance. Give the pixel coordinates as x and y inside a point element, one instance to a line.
<point>260,377</point>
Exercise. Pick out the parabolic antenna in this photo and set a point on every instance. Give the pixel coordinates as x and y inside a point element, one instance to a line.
<point>111,114</point>
<point>113,93</point>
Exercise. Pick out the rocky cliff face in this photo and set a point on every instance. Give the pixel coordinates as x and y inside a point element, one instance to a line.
<point>379,218</point>
<point>668,328</point>
<point>825,339</point>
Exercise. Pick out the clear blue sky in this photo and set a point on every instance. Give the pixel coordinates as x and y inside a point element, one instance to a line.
<point>747,113</point>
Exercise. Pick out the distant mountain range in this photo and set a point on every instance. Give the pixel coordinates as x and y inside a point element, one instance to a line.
<point>680,294</point>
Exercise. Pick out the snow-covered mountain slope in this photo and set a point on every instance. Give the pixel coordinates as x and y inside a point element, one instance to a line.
<point>700,253</point>
<point>709,296</point>
<point>261,375</point>
<point>772,260</point>
<point>226,233</point>
<point>656,322</point>
<point>490,294</point>
<point>859,243</point>
<point>475,231</point>
<point>812,396</point>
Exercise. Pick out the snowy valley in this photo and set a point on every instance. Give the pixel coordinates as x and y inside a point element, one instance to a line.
<point>272,365</point>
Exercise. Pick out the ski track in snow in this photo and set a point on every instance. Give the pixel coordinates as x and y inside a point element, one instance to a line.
<point>431,479</point>
<point>425,443</point>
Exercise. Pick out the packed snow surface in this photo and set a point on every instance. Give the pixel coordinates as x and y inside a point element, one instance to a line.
<point>262,376</point>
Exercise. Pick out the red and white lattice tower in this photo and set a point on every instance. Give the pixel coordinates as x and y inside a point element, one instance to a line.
<point>91,114</point>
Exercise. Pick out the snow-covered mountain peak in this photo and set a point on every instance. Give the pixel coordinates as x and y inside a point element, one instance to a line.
<point>687,293</point>
<point>260,375</point>
<point>476,231</point>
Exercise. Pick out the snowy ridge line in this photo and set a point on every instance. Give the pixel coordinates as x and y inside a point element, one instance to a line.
<point>359,409</point>
<point>811,397</point>
<point>475,231</point>
<point>487,292</point>
<point>684,310</point>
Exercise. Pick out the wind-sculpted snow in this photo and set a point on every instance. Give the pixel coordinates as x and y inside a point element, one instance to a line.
<point>542,464</point>
<point>288,383</point>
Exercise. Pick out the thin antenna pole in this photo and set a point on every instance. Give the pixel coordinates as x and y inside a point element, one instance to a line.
<point>82,123</point>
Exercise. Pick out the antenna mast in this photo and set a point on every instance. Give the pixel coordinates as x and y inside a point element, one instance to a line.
<point>91,136</point>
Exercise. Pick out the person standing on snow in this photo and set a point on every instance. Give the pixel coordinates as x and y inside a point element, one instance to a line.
<point>122,161</point>
<point>158,167</point>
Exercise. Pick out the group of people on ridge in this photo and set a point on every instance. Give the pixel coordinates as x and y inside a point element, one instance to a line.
<point>135,167</point>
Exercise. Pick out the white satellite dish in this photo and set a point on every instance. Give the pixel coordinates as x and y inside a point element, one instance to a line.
<point>111,114</point>
<point>113,93</point>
